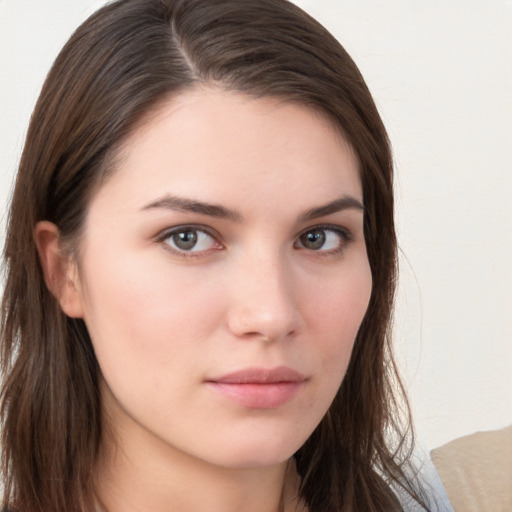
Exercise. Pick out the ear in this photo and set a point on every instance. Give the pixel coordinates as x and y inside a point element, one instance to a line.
<point>60,272</point>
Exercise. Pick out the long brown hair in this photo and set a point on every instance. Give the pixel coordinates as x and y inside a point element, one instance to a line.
<point>118,66</point>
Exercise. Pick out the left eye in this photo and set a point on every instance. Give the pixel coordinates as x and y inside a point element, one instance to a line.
<point>322,239</point>
<point>190,240</point>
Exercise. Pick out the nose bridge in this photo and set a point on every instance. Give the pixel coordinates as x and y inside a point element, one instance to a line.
<point>263,298</point>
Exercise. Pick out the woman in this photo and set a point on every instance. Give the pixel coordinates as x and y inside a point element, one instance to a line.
<point>201,263</point>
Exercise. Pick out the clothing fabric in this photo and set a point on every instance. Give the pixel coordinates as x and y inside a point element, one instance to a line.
<point>431,481</point>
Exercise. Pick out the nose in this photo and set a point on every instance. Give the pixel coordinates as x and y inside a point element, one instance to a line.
<point>264,300</point>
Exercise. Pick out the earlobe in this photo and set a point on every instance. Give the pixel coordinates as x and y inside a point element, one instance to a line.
<point>59,269</point>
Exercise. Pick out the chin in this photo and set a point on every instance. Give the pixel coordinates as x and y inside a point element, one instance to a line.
<point>249,452</point>
<point>253,459</point>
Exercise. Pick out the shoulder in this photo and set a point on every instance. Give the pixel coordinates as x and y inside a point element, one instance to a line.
<point>426,479</point>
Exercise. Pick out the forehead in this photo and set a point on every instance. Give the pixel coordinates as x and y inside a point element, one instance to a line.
<point>210,142</point>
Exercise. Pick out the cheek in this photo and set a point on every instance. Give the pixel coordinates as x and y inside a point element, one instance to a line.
<point>139,314</point>
<point>335,312</point>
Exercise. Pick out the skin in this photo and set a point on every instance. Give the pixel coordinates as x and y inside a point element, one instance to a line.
<point>254,292</point>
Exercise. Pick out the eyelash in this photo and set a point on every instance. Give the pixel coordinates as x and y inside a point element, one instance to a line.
<point>344,235</point>
<point>167,234</point>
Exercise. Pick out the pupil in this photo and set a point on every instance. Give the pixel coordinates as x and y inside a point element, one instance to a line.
<point>314,239</point>
<point>185,239</point>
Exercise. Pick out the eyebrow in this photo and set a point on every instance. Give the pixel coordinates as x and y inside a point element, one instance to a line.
<point>186,205</point>
<point>183,204</point>
<point>338,205</point>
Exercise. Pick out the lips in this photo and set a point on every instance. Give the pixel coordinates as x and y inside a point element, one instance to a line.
<point>259,388</point>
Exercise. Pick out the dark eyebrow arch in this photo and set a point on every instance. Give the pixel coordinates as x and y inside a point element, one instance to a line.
<point>343,203</point>
<point>183,204</point>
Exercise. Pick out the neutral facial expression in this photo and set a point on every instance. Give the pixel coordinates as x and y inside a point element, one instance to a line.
<point>224,277</point>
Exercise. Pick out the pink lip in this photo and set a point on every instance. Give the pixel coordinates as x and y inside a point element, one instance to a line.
<point>259,388</point>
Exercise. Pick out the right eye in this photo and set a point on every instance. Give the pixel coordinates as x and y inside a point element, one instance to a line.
<point>189,240</point>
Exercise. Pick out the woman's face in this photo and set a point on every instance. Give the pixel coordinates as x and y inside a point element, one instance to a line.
<point>224,277</point>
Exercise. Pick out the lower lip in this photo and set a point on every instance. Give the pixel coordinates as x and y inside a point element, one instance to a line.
<point>258,396</point>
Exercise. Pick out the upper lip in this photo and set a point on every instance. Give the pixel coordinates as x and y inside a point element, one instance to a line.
<point>256,375</point>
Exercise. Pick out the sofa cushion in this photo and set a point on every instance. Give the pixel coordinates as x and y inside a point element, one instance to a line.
<point>476,471</point>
